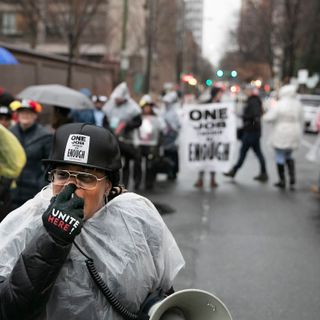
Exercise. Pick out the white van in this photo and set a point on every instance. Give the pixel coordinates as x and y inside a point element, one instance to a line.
<point>311,107</point>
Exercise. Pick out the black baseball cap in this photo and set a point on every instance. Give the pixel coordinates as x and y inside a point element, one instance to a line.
<point>85,145</point>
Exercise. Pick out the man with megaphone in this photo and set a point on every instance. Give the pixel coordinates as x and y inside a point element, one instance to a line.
<point>84,248</point>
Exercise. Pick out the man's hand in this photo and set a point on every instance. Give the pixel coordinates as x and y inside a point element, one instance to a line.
<point>119,128</point>
<point>63,217</point>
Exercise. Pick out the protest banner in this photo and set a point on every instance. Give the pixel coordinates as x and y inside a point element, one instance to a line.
<point>208,137</point>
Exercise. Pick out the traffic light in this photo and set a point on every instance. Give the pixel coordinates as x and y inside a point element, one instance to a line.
<point>208,82</point>
<point>234,73</point>
<point>220,73</point>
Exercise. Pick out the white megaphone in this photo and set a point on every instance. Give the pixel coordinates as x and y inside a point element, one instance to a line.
<point>194,304</point>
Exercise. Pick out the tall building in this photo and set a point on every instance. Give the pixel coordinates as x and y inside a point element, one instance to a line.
<point>194,19</point>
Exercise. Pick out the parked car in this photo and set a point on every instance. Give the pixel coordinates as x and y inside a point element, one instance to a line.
<point>311,107</point>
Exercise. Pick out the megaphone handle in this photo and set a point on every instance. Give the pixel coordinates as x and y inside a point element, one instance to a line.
<point>152,299</point>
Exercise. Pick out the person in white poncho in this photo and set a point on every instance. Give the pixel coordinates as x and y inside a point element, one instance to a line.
<point>49,244</point>
<point>123,118</point>
<point>287,121</point>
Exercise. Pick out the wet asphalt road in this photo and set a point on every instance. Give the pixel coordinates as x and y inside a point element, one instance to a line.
<point>255,247</point>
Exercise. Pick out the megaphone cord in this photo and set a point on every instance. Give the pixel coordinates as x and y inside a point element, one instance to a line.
<point>115,303</point>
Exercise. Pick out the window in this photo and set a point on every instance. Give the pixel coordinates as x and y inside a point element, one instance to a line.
<point>9,23</point>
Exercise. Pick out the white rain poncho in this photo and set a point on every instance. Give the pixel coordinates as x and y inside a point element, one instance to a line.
<point>287,119</point>
<point>171,112</point>
<point>133,250</point>
<point>149,132</point>
<point>122,113</point>
<point>170,116</point>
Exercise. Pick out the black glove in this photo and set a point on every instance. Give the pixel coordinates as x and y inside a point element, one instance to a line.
<point>63,217</point>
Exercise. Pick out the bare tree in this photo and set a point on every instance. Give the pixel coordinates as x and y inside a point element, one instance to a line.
<point>253,41</point>
<point>67,19</point>
<point>255,33</point>
<point>310,41</point>
<point>290,35</point>
<point>282,33</point>
<point>162,41</point>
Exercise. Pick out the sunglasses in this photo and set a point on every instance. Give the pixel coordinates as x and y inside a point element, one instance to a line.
<point>84,180</point>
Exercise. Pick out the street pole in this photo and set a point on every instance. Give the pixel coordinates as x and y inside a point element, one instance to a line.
<point>41,27</point>
<point>181,52</point>
<point>71,48</point>
<point>150,24</point>
<point>123,62</point>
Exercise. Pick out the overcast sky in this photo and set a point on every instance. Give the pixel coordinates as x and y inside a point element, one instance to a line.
<point>220,16</point>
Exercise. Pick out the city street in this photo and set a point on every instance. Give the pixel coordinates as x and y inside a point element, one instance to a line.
<point>255,247</point>
<point>98,96</point>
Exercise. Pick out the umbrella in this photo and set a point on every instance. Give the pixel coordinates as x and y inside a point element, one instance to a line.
<point>57,95</point>
<point>6,57</point>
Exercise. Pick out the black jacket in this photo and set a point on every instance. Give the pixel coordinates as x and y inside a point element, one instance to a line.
<point>24,294</point>
<point>5,196</point>
<point>252,114</point>
<point>134,123</point>
<point>36,142</point>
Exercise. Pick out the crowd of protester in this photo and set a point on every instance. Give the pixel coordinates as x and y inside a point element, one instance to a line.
<point>148,135</point>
